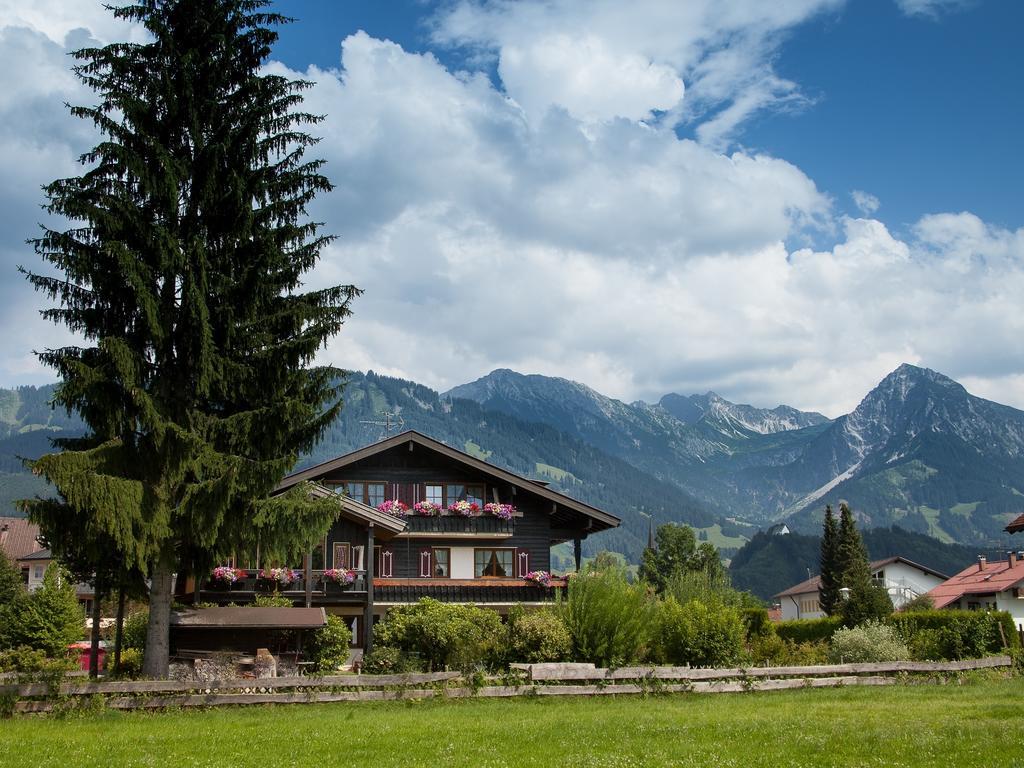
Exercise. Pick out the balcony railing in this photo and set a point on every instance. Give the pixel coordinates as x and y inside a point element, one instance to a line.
<point>448,525</point>
<point>247,588</point>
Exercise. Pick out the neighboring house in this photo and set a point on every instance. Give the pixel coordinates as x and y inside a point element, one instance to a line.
<point>997,586</point>
<point>35,565</point>
<point>18,538</point>
<point>398,560</point>
<point>903,579</point>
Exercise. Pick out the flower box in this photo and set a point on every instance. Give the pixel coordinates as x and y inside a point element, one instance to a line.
<point>394,507</point>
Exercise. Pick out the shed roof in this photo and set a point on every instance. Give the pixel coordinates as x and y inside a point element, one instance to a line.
<point>996,576</point>
<point>250,618</point>
<point>812,584</point>
<point>18,537</point>
<point>388,526</point>
<point>599,519</point>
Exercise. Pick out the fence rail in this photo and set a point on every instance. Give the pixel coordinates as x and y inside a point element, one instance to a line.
<point>534,680</point>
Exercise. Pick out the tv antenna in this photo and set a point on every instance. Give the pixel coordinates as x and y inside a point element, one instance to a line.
<point>389,421</point>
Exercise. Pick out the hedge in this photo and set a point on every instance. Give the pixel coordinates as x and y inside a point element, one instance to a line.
<point>947,634</point>
<point>808,630</point>
<point>934,635</point>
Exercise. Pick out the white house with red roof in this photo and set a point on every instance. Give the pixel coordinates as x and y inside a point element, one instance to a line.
<point>986,586</point>
<point>903,579</point>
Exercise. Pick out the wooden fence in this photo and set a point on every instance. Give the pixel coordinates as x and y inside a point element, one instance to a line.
<point>524,680</point>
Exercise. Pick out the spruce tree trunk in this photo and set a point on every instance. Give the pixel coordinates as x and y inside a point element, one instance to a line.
<point>158,643</point>
<point>119,627</point>
<point>94,640</point>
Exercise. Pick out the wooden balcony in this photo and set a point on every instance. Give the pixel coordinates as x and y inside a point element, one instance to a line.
<point>454,526</point>
<point>245,590</point>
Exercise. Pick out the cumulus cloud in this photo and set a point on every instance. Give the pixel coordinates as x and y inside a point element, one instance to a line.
<point>602,59</point>
<point>866,203</point>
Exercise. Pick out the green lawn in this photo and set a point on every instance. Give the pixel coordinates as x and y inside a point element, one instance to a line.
<point>977,723</point>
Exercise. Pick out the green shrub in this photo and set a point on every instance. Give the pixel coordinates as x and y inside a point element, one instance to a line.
<point>698,634</point>
<point>388,661</point>
<point>771,650</point>
<point>871,641</point>
<point>945,634</point>
<point>47,619</point>
<point>273,600</point>
<point>131,663</point>
<point>133,634</point>
<point>870,602</point>
<point>538,637</point>
<point>609,619</point>
<point>808,630</point>
<point>756,622</point>
<point>920,603</point>
<point>329,647</point>
<point>445,635</point>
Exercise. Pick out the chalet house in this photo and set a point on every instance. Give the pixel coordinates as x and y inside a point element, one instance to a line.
<point>418,518</point>
<point>903,579</point>
<point>982,586</point>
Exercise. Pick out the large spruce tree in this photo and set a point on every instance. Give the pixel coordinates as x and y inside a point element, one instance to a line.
<point>831,571</point>
<point>181,270</point>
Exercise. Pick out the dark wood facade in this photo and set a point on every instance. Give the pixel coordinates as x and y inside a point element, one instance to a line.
<point>481,559</point>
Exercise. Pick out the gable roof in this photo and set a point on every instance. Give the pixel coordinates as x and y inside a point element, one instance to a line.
<point>1016,525</point>
<point>997,576</point>
<point>812,584</point>
<point>18,537</point>
<point>601,520</point>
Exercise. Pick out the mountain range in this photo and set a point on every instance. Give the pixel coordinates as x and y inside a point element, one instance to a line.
<point>919,452</point>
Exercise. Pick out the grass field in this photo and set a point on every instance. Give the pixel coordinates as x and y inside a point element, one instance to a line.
<point>977,723</point>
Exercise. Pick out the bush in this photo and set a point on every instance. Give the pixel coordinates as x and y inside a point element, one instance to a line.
<point>944,634</point>
<point>273,600</point>
<point>387,661</point>
<point>771,650</point>
<point>808,630</point>
<point>871,641</point>
<point>47,619</point>
<point>869,603</point>
<point>538,637</point>
<point>609,619</point>
<point>329,647</point>
<point>698,634</point>
<point>445,635</point>
<point>756,623</point>
<point>133,634</point>
<point>131,663</point>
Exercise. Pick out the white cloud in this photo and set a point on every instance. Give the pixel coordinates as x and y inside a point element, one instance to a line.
<point>933,8</point>
<point>866,203</point>
<point>603,249</point>
<point>601,59</point>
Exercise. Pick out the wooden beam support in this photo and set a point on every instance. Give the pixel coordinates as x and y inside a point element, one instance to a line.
<point>307,579</point>
<point>577,552</point>
<point>368,565</point>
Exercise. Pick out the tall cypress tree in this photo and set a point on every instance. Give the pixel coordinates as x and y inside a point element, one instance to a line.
<point>851,554</point>
<point>831,574</point>
<point>182,272</point>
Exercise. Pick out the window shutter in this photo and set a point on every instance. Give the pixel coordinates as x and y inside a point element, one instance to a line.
<point>425,562</point>
<point>386,563</point>
<point>522,562</point>
<point>406,493</point>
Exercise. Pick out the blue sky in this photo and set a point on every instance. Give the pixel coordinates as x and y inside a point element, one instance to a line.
<point>780,201</point>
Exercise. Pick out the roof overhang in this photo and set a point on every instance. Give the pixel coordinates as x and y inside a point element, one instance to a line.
<point>385,526</point>
<point>598,520</point>
<point>250,618</point>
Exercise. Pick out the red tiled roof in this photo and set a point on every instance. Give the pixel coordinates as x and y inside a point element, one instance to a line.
<point>18,537</point>
<point>997,576</point>
<point>1016,525</point>
<point>812,584</point>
